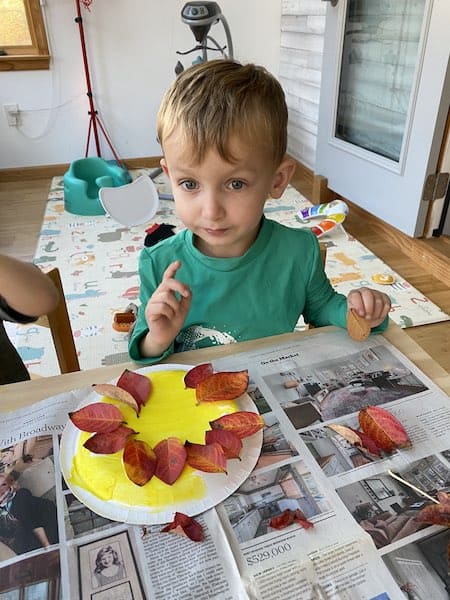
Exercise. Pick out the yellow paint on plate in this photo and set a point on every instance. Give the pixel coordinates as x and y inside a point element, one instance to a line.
<point>171,411</point>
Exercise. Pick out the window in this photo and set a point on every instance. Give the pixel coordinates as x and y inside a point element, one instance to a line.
<point>23,41</point>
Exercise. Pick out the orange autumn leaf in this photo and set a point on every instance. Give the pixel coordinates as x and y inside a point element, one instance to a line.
<point>185,526</point>
<point>139,461</point>
<point>110,442</point>
<point>171,458</point>
<point>383,428</point>
<point>242,423</point>
<point>230,442</point>
<point>98,417</point>
<point>196,375</point>
<point>209,458</point>
<point>139,386</point>
<point>436,514</point>
<point>222,386</point>
<point>116,393</point>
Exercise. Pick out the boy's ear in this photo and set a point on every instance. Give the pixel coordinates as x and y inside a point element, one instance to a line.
<point>282,177</point>
<point>163,165</point>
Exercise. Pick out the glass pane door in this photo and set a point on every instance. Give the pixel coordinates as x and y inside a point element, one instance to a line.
<point>380,51</point>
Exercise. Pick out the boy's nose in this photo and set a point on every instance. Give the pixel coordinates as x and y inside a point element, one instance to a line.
<point>212,207</point>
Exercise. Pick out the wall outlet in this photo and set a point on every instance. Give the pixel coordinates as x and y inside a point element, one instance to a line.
<point>12,114</point>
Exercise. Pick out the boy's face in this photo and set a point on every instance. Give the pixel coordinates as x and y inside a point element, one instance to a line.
<point>220,202</point>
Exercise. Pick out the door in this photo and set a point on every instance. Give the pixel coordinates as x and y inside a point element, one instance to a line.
<point>383,102</point>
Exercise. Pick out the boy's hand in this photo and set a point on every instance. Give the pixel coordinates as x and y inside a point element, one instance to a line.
<point>165,313</point>
<point>370,304</point>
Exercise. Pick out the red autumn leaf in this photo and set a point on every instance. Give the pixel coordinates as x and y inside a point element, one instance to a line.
<point>109,443</point>
<point>185,526</point>
<point>209,458</point>
<point>222,386</point>
<point>139,461</point>
<point>230,442</point>
<point>139,386</point>
<point>288,517</point>
<point>384,429</point>
<point>99,417</point>
<point>357,438</point>
<point>171,458</point>
<point>367,443</point>
<point>117,393</point>
<point>194,376</point>
<point>242,423</point>
<point>282,521</point>
<point>300,519</point>
<point>436,514</point>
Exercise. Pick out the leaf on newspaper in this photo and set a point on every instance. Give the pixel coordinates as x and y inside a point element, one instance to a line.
<point>171,457</point>
<point>242,423</point>
<point>110,442</point>
<point>139,386</point>
<point>222,386</point>
<point>230,442</point>
<point>300,519</point>
<point>185,526</point>
<point>99,417</point>
<point>359,439</point>
<point>368,445</point>
<point>196,375</point>
<point>436,514</point>
<point>139,461</point>
<point>116,393</point>
<point>346,432</point>
<point>383,428</point>
<point>209,458</point>
<point>288,517</point>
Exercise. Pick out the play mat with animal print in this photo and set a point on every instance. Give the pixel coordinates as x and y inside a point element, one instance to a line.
<point>98,260</point>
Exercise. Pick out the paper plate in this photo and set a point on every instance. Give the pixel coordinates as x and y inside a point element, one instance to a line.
<point>131,204</point>
<point>218,485</point>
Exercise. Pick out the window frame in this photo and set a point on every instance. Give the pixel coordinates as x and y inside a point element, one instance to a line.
<point>33,57</point>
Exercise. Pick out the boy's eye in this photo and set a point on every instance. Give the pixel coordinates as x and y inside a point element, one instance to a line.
<point>236,184</point>
<point>188,184</point>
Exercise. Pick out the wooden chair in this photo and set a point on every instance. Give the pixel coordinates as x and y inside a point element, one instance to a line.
<point>323,256</point>
<point>59,324</point>
<point>323,253</point>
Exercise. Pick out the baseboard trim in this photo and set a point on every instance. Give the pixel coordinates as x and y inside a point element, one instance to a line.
<point>49,171</point>
<point>417,249</point>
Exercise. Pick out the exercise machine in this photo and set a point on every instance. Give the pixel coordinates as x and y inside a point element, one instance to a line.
<point>200,16</point>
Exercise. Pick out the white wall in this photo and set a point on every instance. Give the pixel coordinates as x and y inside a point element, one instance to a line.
<point>132,53</point>
<point>301,53</point>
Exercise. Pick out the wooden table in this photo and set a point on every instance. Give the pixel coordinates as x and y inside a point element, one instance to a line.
<point>15,395</point>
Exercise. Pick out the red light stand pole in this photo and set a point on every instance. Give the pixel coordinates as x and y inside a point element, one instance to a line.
<point>94,119</point>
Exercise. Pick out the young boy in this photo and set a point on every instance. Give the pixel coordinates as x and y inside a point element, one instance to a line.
<point>25,294</point>
<point>232,275</point>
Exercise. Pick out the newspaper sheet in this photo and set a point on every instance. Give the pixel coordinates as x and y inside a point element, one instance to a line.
<point>365,543</point>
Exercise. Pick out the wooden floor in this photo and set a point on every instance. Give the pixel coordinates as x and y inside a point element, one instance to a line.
<point>22,206</point>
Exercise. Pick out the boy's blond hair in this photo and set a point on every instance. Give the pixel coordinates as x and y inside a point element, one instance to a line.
<point>216,100</point>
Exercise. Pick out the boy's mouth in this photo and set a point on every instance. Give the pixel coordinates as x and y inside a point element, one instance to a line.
<point>216,232</point>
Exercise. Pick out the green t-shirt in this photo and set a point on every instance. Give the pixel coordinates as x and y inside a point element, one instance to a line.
<point>259,294</point>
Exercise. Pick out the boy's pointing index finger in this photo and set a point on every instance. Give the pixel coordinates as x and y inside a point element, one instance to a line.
<point>171,270</point>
